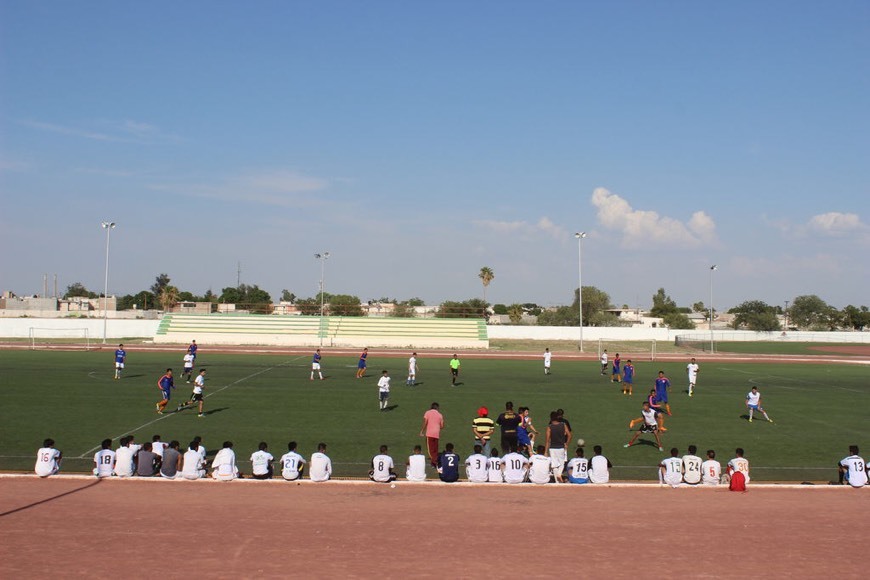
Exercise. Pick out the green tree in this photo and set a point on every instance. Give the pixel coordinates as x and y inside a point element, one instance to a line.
<point>415,301</point>
<point>856,318</point>
<point>345,305</point>
<point>532,309</point>
<point>168,297</point>
<point>595,304</point>
<point>699,307</point>
<point>499,308</point>
<point>161,281</point>
<point>486,276</point>
<point>308,306</point>
<point>561,316</point>
<point>404,310</point>
<point>515,313</point>
<point>809,312</point>
<point>251,298</point>
<point>678,320</point>
<point>78,290</point>
<point>473,308</point>
<point>755,315</point>
<point>662,304</point>
<point>287,296</point>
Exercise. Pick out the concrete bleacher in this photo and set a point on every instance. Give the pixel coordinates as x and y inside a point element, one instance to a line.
<point>341,331</point>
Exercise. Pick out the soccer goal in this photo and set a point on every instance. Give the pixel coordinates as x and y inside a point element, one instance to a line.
<point>634,349</point>
<point>68,337</point>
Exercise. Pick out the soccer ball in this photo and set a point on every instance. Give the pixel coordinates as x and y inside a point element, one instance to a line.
<point>581,443</point>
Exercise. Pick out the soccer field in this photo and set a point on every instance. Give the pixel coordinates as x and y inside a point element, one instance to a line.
<point>818,409</point>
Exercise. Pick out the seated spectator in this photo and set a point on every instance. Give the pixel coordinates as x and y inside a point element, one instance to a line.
<point>147,462</point>
<point>172,462</point>
<point>193,466</point>
<point>48,459</point>
<point>223,468</point>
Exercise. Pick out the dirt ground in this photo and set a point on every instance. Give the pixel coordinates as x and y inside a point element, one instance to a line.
<point>856,349</point>
<point>101,529</point>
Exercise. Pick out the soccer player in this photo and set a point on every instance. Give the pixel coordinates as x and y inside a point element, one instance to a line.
<point>494,472</point>
<point>853,469</point>
<point>616,376</point>
<point>382,467</point>
<point>261,462</point>
<point>753,402</point>
<point>172,461</point>
<point>412,370</point>
<point>433,422</point>
<point>558,436</point>
<point>604,362</point>
<point>383,390</point>
<point>508,421</point>
<point>524,443</point>
<point>165,384</point>
<point>655,406</point>
<point>476,466</point>
<point>223,468</point>
<point>526,422</point>
<point>483,427</point>
<point>448,465</point>
<point>692,373</point>
<point>599,467</point>
<point>415,467</point>
<point>147,462</point>
<point>361,365</point>
<point>197,395</point>
<point>541,467</point>
<point>47,459</point>
<point>578,468</point>
<point>454,369</point>
<point>315,365</point>
<point>104,459</point>
<point>191,349</point>
<point>120,359</point>
<point>692,469</point>
<point>514,466</point>
<point>663,385</point>
<point>548,358</point>
<point>671,469</point>
<point>193,465</point>
<point>125,457</point>
<point>712,469</point>
<point>188,367</point>
<point>292,463</point>
<point>739,463</point>
<point>628,378</point>
<point>648,424</point>
<point>321,466</point>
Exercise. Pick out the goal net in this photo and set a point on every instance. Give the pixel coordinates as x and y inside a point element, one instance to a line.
<point>67,337</point>
<point>627,349</point>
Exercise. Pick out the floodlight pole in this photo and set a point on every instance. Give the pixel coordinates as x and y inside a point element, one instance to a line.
<point>785,316</point>
<point>712,269</point>
<point>580,236</point>
<point>108,226</point>
<point>322,257</point>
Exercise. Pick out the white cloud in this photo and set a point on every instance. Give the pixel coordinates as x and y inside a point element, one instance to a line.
<point>542,226</point>
<point>643,228</point>
<point>837,224</point>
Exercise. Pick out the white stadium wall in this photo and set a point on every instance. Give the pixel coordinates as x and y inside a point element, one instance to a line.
<point>115,328</point>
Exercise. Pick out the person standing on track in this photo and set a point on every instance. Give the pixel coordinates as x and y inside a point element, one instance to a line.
<point>165,385</point>
<point>120,359</point>
<point>558,436</point>
<point>483,427</point>
<point>433,422</point>
<point>361,365</point>
<point>315,364</point>
<point>508,421</point>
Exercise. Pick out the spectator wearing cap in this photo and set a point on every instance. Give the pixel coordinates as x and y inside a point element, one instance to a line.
<point>483,428</point>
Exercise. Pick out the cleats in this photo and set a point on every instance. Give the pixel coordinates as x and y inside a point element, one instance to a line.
<point>627,445</point>
<point>661,448</point>
<point>750,419</point>
<point>200,415</point>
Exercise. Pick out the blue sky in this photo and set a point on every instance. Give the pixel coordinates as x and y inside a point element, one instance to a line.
<point>418,142</point>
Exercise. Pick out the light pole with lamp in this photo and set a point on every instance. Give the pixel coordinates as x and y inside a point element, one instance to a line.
<point>108,226</point>
<point>712,269</point>
<point>322,257</point>
<point>580,236</point>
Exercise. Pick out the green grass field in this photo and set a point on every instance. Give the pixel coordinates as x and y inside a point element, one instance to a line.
<point>70,396</point>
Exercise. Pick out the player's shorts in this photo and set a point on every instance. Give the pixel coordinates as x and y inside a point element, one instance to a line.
<point>615,370</point>
<point>167,394</point>
<point>315,366</point>
<point>119,365</point>
<point>361,364</point>
<point>757,408</point>
<point>692,378</point>
<point>383,395</point>
<point>454,371</point>
<point>578,479</point>
<point>662,397</point>
<point>523,437</point>
<point>648,428</point>
<point>188,369</point>
<point>196,397</point>
<point>628,380</point>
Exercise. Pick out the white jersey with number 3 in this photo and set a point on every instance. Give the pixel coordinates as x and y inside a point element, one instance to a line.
<point>673,474</point>
<point>857,474</point>
<point>740,464</point>
<point>475,468</point>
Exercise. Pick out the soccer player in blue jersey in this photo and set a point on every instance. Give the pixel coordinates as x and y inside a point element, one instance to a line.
<point>120,359</point>
<point>191,349</point>
<point>165,384</point>
<point>448,465</point>
<point>315,365</point>
<point>663,385</point>
<point>616,376</point>
<point>361,365</point>
<point>627,378</point>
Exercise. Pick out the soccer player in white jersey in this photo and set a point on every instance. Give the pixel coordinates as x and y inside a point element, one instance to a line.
<point>476,466</point>
<point>412,370</point>
<point>604,362</point>
<point>193,465</point>
<point>648,424</point>
<point>753,402</point>
<point>125,454</point>
<point>188,367</point>
<point>711,469</point>
<point>157,446</point>
<point>514,466</point>
<point>320,466</point>
<point>541,466</point>
<point>383,469</point>
<point>578,468</point>
<point>853,469</point>
<point>47,459</point>
<point>261,462</point>
<point>415,467</point>
<point>548,358</point>
<point>224,464</point>
<point>599,467</point>
<point>292,463</point>
<point>739,463</point>
<point>104,460</point>
<point>692,466</point>
<point>494,473</point>
<point>384,390</point>
<point>692,373</point>
<point>671,469</point>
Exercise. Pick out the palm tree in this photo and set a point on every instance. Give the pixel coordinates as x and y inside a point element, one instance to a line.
<point>168,297</point>
<point>486,276</point>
